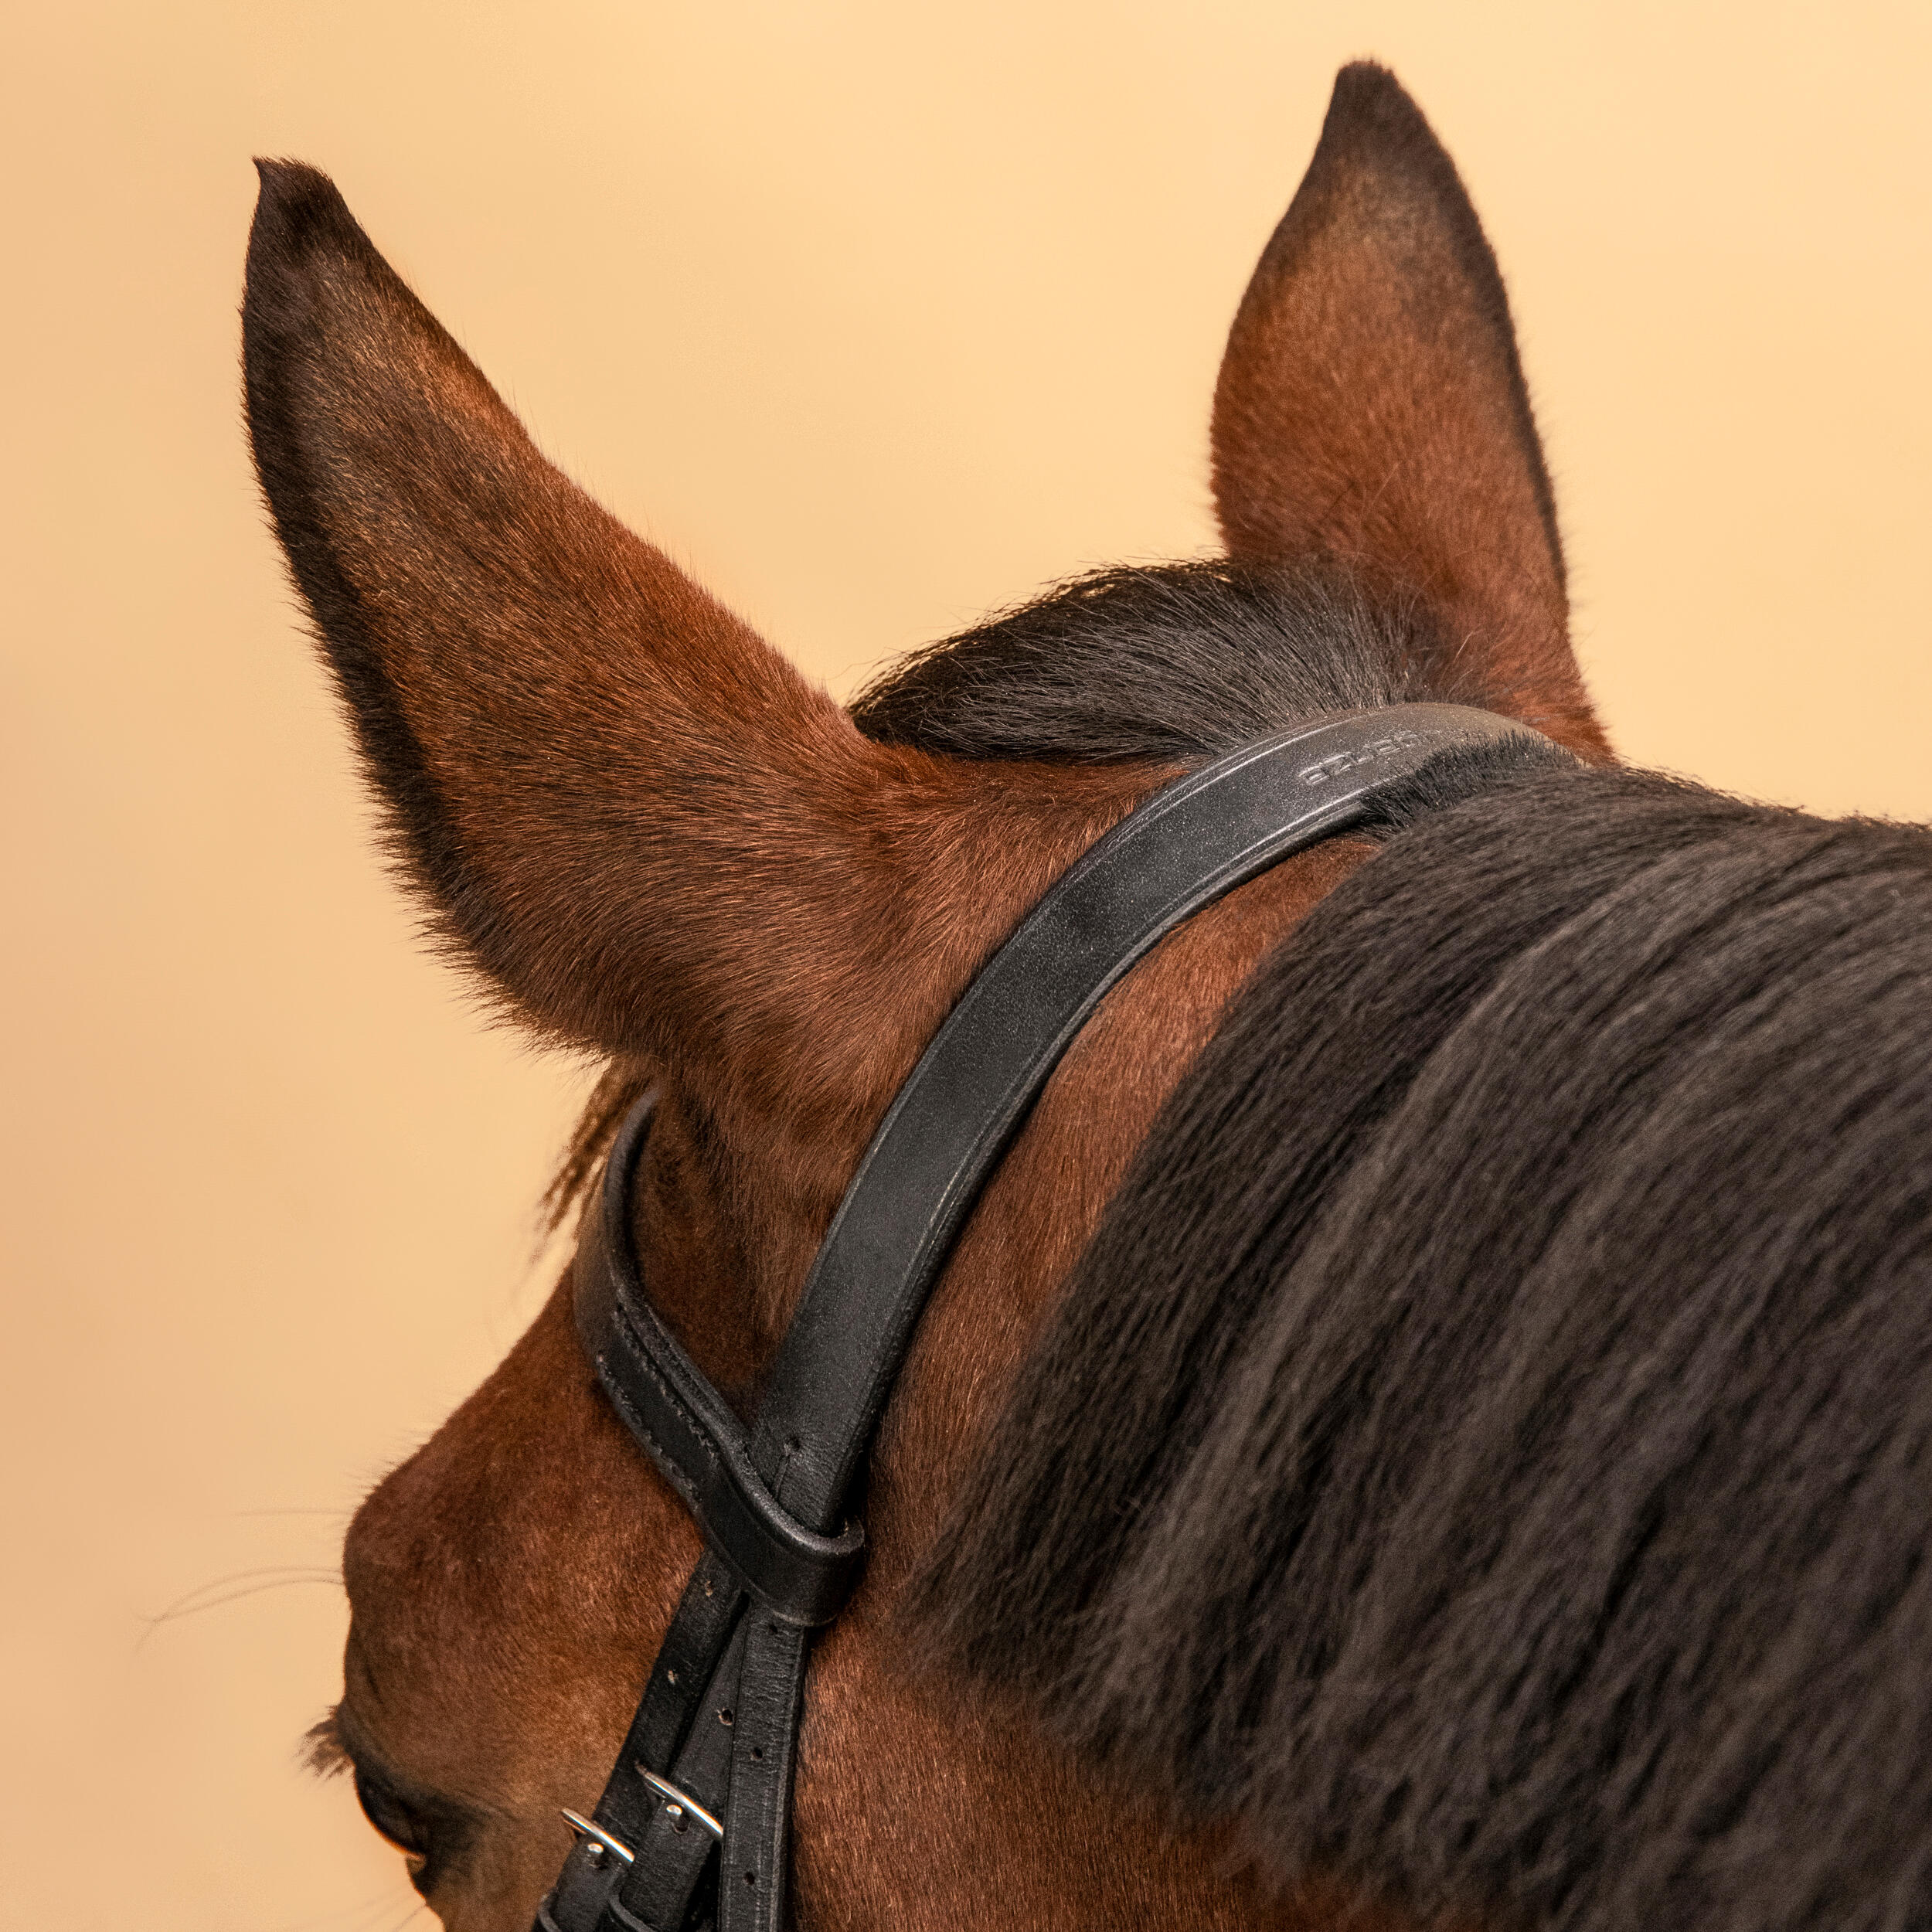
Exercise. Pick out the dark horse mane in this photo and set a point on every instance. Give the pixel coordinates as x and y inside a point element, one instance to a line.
<point>1485,1451</point>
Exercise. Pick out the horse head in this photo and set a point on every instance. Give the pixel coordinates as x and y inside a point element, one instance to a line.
<point>647,838</point>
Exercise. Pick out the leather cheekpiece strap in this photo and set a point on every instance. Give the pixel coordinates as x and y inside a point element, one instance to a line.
<point>717,1729</point>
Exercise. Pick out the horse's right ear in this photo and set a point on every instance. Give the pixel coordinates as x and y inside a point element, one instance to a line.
<point>1371,407</point>
<point>652,835</point>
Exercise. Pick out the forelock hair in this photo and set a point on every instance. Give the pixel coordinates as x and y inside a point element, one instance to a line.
<point>1486,1449</point>
<point>1173,662</point>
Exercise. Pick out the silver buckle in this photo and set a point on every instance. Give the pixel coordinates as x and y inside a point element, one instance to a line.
<point>679,1805</point>
<point>597,1843</point>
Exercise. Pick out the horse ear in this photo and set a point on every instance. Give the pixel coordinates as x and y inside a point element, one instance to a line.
<point>649,832</point>
<point>1371,406</point>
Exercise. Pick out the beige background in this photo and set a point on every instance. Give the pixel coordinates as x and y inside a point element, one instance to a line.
<point>877,315</point>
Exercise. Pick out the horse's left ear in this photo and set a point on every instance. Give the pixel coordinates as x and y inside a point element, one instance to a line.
<point>1371,407</point>
<point>632,815</point>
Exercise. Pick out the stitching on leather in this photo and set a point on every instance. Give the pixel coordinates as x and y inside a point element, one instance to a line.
<point>640,1350</point>
<point>675,1473</point>
<point>639,1353</point>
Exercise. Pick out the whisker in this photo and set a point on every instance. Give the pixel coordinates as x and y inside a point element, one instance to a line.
<point>253,1583</point>
<point>289,1572</point>
<point>377,1908</point>
<point>332,1511</point>
<point>359,1915</point>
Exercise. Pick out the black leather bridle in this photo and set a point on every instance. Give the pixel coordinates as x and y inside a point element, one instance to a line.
<point>694,1823</point>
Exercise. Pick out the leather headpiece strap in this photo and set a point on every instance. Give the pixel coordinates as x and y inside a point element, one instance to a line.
<point>706,1767</point>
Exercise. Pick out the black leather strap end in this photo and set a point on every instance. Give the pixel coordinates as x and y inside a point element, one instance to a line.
<point>753,1872</point>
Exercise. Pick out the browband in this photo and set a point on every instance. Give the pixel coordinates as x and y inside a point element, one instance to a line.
<point>707,1761</point>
